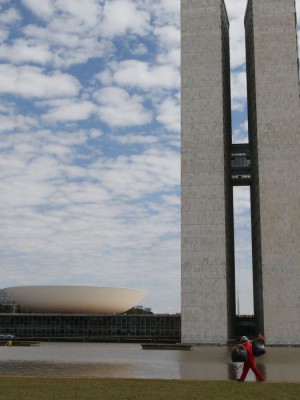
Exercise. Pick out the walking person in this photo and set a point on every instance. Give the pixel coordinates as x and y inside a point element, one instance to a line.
<point>250,363</point>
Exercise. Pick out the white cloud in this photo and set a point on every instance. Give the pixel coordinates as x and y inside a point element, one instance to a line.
<point>105,77</point>
<point>169,35</point>
<point>95,133</point>
<point>172,200</point>
<point>168,45</point>
<point>237,43</point>
<point>236,9</point>
<point>89,26</point>
<point>87,12</point>
<point>74,217</point>
<point>171,57</point>
<point>236,13</point>
<point>165,12</point>
<point>240,134</point>
<point>90,201</point>
<point>3,34</point>
<point>130,139</point>
<point>243,251</point>
<point>66,110</point>
<point>9,16</point>
<point>124,16</point>
<point>141,74</point>
<point>154,170</point>
<point>68,44</point>
<point>33,82</point>
<point>71,29</point>
<point>14,121</point>
<point>168,114</point>
<point>43,9</point>
<point>119,109</point>
<point>238,90</point>
<point>139,49</point>
<point>242,199</point>
<point>23,51</point>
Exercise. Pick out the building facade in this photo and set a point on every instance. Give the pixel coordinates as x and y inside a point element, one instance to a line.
<point>95,327</point>
<point>207,233</point>
<point>274,136</point>
<point>211,166</point>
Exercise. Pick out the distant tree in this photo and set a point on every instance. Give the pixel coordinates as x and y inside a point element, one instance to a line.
<point>12,308</point>
<point>137,311</point>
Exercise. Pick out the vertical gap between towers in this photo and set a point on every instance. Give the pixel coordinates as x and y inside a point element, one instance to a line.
<point>243,250</point>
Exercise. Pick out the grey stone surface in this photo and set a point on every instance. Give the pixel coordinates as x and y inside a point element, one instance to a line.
<point>204,277</point>
<point>274,128</point>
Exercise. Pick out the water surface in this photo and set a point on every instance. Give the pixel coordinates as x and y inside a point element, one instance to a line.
<point>122,360</point>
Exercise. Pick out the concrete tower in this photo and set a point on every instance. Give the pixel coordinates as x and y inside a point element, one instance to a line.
<point>207,241</point>
<point>211,166</point>
<point>274,132</point>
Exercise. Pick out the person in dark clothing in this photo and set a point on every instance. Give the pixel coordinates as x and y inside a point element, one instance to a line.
<point>250,363</point>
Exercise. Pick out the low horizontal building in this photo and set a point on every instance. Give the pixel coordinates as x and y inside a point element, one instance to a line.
<point>136,327</point>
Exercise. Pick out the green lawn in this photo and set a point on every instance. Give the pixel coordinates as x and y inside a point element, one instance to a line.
<point>40,388</point>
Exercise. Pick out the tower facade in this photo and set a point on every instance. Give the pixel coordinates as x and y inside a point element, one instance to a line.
<point>207,252</point>
<point>274,136</point>
<point>208,170</point>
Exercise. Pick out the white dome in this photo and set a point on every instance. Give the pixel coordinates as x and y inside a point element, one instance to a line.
<point>76,299</point>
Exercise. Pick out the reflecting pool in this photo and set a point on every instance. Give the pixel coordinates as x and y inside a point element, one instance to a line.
<point>121,360</point>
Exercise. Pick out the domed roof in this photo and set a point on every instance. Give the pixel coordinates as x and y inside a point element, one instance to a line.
<point>76,299</point>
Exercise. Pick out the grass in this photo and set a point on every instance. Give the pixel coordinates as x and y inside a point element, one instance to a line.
<point>41,388</point>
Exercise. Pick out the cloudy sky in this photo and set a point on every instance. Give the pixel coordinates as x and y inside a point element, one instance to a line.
<point>90,144</point>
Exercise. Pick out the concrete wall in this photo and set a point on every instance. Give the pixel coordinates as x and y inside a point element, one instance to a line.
<point>204,274</point>
<point>274,131</point>
<point>274,124</point>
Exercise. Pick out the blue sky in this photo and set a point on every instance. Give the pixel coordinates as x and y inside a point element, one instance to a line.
<point>90,144</point>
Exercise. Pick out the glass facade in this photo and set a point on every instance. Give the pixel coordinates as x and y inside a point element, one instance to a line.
<point>92,327</point>
<point>240,164</point>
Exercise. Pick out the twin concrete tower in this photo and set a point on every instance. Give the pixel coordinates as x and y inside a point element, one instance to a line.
<point>212,165</point>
